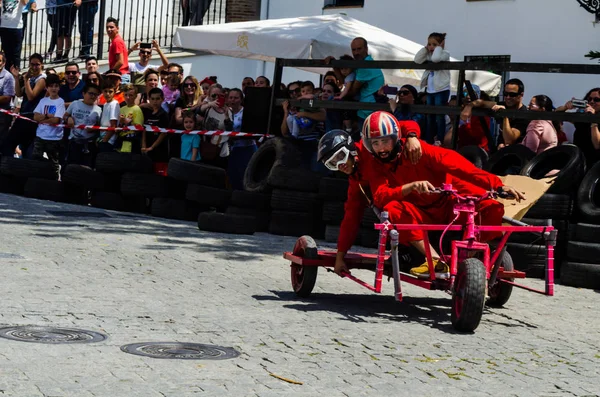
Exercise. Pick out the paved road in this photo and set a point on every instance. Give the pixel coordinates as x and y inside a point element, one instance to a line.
<point>140,279</point>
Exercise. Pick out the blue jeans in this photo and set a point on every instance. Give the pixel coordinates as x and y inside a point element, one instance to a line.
<point>436,124</point>
<point>85,17</point>
<point>238,162</point>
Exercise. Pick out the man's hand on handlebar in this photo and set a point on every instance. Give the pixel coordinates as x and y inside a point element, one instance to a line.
<point>340,266</point>
<point>423,187</point>
<point>512,193</point>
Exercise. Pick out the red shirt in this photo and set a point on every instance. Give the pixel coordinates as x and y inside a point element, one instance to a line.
<point>472,133</point>
<point>117,46</point>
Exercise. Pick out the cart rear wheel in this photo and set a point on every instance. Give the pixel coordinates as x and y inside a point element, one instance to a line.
<point>304,277</point>
<point>499,293</point>
<point>468,296</point>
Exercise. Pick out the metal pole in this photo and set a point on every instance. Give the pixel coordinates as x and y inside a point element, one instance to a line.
<point>461,82</point>
<point>275,91</point>
<point>101,19</point>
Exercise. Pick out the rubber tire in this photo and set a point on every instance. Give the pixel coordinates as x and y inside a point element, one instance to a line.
<point>510,156</point>
<point>333,189</point>
<point>588,195</point>
<point>81,175</point>
<point>45,189</point>
<point>578,251</point>
<point>567,158</point>
<point>146,185</point>
<point>226,223</point>
<point>333,212</point>
<point>25,168</point>
<point>294,179</point>
<point>194,172</point>
<point>530,258</point>
<point>206,195</point>
<point>580,275</point>
<point>261,218</point>
<point>500,293</point>
<point>288,200</point>
<point>552,206</point>
<point>368,237</point>
<point>258,201</point>
<point>169,208</point>
<point>470,286</point>
<point>303,278</point>
<point>585,232</point>
<point>108,201</point>
<point>287,223</point>
<point>332,232</point>
<point>475,155</point>
<point>531,238</point>
<point>369,218</point>
<point>12,185</point>
<point>275,151</point>
<point>114,162</point>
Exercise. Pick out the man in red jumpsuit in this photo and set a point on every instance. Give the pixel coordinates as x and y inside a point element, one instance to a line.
<point>404,189</point>
<point>339,153</point>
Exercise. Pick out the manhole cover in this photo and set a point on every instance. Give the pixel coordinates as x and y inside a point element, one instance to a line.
<point>182,351</point>
<point>79,214</point>
<point>28,333</point>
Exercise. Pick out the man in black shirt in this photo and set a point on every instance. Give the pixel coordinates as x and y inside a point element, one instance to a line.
<point>511,130</point>
<point>153,143</point>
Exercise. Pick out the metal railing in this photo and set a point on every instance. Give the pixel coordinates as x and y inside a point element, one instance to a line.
<point>142,20</point>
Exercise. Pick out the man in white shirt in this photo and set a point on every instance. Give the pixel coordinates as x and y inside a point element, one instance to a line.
<point>145,55</point>
<point>11,31</point>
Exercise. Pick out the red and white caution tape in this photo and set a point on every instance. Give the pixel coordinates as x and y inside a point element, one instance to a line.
<point>146,128</point>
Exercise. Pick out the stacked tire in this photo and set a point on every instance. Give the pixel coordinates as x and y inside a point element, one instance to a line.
<point>555,207</point>
<point>333,192</point>
<point>582,266</point>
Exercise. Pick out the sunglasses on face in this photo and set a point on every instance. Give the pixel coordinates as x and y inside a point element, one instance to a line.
<point>145,52</point>
<point>403,92</point>
<point>71,72</point>
<point>511,94</point>
<point>188,85</point>
<point>595,100</point>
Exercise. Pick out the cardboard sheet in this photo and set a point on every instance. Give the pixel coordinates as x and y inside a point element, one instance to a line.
<point>533,190</point>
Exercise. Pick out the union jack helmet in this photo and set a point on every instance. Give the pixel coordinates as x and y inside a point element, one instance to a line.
<point>379,124</point>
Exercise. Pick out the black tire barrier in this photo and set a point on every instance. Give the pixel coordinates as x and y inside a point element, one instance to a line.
<point>509,160</point>
<point>288,223</point>
<point>289,200</point>
<point>210,196</point>
<point>369,218</point>
<point>333,189</point>
<point>333,212</point>
<point>260,218</point>
<point>275,151</point>
<point>146,185</point>
<point>253,200</point>
<point>580,275</point>
<point>331,233</point>
<point>46,189</point>
<point>81,175</point>
<point>530,258</point>
<point>108,201</point>
<point>226,223</point>
<point>534,238</point>
<point>585,232</point>
<point>12,185</point>
<point>24,168</point>
<point>194,172</point>
<point>475,155</point>
<point>568,159</point>
<point>294,179</point>
<point>552,206</point>
<point>588,196</point>
<point>583,252</point>
<point>119,163</point>
<point>174,209</point>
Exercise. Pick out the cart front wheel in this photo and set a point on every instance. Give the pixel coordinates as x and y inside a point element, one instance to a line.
<point>468,296</point>
<point>500,292</point>
<point>304,277</point>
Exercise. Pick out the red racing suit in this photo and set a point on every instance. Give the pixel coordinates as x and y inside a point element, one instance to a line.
<point>357,202</point>
<point>438,166</point>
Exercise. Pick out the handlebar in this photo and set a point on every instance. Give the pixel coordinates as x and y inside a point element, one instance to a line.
<point>493,194</point>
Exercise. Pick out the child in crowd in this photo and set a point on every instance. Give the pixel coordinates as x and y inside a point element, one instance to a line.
<point>130,115</point>
<point>50,110</point>
<point>110,118</point>
<point>154,144</point>
<point>348,116</point>
<point>436,82</point>
<point>190,144</point>
<point>171,92</point>
<point>83,112</point>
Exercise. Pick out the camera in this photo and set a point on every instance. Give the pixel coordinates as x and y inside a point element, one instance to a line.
<point>579,103</point>
<point>145,45</point>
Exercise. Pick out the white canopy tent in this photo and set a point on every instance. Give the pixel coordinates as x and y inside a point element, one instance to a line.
<point>314,38</point>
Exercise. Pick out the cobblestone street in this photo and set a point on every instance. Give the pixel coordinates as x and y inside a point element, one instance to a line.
<point>143,279</point>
